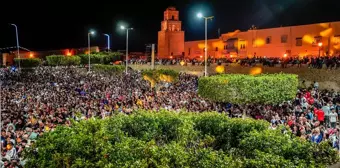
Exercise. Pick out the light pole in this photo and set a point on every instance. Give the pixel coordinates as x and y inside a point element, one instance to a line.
<point>0,117</point>
<point>200,15</point>
<point>89,45</point>
<point>108,42</point>
<point>320,45</point>
<point>17,37</point>
<point>127,46</point>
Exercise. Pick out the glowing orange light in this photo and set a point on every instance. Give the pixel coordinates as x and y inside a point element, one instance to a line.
<point>69,54</point>
<point>284,55</point>
<point>170,57</point>
<point>201,56</point>
<point>231,56</point>
<point>220,69</point>
<point>255,71</point>
<point>320,44</point>
<point>182,63</point>
<point>31,55</point>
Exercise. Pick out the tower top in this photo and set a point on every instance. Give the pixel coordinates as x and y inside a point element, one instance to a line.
<point>171,8</point>
<point>171,14</point>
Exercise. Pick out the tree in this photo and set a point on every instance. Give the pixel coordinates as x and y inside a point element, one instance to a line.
<point>243,89</point>
<point>167,139</point>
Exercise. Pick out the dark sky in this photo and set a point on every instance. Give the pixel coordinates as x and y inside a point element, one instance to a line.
<point>64,24</point>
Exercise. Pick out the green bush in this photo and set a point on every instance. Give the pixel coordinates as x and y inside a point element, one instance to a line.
<point>61,60</point>
<point>27,62</point>
<point>101,58</point>
<point>166,139</point>
<point>295,149</point>
<point>242,89</point>
<point>108,68</point>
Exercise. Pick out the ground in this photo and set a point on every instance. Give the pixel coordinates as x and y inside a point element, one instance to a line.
<point>328,79</point>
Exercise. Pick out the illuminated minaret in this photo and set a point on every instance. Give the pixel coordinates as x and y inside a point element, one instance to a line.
<point>171,36</point>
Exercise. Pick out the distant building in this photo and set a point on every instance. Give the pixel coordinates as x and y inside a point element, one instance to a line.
<point>302,40</point>
<point>171,36</point>
<point>9,53</point>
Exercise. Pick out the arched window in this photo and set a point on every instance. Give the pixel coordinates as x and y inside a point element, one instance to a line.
<point>268,40</point>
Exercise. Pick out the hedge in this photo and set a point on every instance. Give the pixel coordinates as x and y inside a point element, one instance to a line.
<point>27,62</point>
<point>101,58</point>
<point>241,89</point>
<point>108,68</point>
<point>165,139</point>
<point>56,60</point>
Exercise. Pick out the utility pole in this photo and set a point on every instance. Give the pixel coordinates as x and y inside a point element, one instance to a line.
<point>153,56</point>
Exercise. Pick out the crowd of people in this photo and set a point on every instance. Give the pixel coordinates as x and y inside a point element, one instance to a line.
<point>328,62</point>
<point>35,102</point>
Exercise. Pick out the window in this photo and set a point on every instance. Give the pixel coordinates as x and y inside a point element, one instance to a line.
<point>172,53</point>
<point>268,40</point>
<point>243,46</point>
<point>216,49</point>
<point>173,27</point>
<point>189,51</point>
<point>317,39</point>
<point>253,42</point>
<point>172,17</point>
<point>336,40</point>
<point>284,38</point>
<point>225,47</point>
<point>299,41</point>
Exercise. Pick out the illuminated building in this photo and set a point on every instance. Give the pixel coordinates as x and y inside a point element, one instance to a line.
<point>171,36</point>
<point>296,41</point>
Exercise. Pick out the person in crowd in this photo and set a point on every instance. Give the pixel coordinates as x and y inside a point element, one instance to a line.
<point>34,103</point>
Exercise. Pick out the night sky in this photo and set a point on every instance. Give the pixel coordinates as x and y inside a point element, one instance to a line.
<point>64,24</point>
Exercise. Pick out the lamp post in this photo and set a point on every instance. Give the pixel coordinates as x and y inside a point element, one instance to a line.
<point>200,15</point>
<point>89,45</point>
<point>108,42</point>
<point>320,45</point>
<point>127,46</point>
<point>1,116</point>
<point>17,38</point>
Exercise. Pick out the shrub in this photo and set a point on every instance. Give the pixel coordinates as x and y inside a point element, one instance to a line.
<point>101,58</point>
<point>166,139</point>
<point>55,60</point>
<point>294,149</point>
<point>27,62</point>
<point>108,68</point>
<point>241,89</point>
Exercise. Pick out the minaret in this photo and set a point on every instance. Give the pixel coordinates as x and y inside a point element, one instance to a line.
<point>171,37</point>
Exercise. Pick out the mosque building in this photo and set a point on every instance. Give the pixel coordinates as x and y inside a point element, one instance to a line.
<point>292,41</point>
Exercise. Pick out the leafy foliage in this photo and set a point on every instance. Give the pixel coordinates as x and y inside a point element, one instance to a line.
<point>101,58</point>
<point>166,139</point>
<point>160,75</point>
<point>28,62</point>
<point>241,89</point>
<point>56,60</point>
<point>109,68</point>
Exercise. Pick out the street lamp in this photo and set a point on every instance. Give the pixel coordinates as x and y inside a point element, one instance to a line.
<point>17,37</point>
<point>1,116</point>
<point>200,15</point>
<point>89,45</point>
<point>108,42</point>
<point>320,45</point>
<point>127,46</point>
